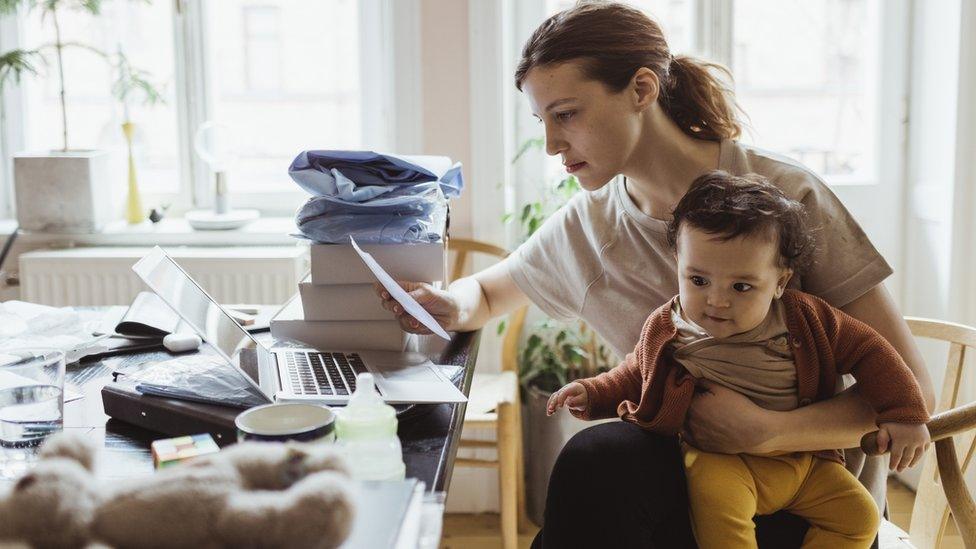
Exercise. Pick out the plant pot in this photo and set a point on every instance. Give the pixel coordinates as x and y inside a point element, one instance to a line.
<point>544,438</point>
<point>63,191</point>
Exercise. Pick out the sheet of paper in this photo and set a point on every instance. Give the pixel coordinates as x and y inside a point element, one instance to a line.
<point>410,305</point>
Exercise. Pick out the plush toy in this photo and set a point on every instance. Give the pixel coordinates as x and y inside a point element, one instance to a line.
<point>249,495</point>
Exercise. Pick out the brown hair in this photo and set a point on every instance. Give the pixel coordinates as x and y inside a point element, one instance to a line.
<point>613,41</point>
<point>730,206</point>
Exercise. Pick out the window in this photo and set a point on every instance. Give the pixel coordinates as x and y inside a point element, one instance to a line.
<point>816,65</point>
<point>144,33</point>
<point>283,75</point>
<point>262,48</point>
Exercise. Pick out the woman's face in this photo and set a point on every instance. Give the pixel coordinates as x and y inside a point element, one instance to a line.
<point>592,129</point>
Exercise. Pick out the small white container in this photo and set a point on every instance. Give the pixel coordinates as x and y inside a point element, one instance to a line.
<point>366,430</point>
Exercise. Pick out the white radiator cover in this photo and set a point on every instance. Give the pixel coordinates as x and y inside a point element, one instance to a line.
<point>103,275</point>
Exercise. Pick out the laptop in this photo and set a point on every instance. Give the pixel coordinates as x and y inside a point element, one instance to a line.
<point>294,373</point>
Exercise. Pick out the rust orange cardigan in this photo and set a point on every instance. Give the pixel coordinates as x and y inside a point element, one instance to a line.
<point>650,389</point>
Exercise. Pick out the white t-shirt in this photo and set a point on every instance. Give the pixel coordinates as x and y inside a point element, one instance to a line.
<point>602,260</point>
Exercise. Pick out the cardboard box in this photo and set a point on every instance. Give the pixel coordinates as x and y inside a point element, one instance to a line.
<point>338,335</point>
<point>340,264</point>
<point>342,302</point>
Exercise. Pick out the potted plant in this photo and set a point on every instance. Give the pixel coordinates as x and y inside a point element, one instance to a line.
<point>65,189</point>
<point>553,354</point>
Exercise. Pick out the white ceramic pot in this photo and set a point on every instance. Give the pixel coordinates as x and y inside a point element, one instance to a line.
<point>64,191</point>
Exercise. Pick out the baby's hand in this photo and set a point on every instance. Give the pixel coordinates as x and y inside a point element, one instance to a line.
<point>573,396</point>
<point>906,441</point>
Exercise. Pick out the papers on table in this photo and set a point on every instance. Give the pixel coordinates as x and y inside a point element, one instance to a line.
<point>410,305</point>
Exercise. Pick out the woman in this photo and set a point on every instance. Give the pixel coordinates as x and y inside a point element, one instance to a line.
<point>614,101</point>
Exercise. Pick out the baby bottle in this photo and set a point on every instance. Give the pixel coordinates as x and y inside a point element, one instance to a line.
<point>366,429</point>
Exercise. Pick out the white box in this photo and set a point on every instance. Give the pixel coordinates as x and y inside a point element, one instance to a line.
<point>340,264</point>
<point>342,302</point>
<point>338,335</point>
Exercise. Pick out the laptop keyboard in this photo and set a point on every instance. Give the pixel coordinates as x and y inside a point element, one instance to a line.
<point>320,373</point>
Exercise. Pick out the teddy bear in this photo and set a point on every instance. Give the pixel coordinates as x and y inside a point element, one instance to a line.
<point>253,494</point>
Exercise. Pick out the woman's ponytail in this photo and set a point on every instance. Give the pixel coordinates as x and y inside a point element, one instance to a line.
<point>612,41</point>
<point>697,100</point>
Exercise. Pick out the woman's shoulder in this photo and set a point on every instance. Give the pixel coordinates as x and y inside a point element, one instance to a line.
<point>795,179</point>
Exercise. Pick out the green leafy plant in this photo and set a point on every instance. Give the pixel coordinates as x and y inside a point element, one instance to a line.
<point>14,64</point>
<point>554,353</point>
<point>131,82</point>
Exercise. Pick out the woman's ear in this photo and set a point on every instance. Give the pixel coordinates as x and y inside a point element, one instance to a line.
<point>784,279</point>
<point>646,87</point>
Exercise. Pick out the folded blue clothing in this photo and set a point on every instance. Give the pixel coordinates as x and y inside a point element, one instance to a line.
<point>359,176</point>
<point>376,198</point>
<point>387,220</point>
<point>368,229</point>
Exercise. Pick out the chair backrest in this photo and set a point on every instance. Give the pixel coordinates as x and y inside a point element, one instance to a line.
<point>462,249</point>
<point>930,515</point>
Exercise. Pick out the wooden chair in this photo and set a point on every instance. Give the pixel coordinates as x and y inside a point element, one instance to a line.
<point>941,489</point>
<point>494,401</point>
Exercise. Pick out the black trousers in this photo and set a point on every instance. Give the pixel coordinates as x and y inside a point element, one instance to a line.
<point>616,485</point>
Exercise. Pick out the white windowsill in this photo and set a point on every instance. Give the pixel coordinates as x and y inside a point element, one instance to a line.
<point>266,231</point>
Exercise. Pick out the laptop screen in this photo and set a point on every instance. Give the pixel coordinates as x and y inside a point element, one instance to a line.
<point>182,293</point>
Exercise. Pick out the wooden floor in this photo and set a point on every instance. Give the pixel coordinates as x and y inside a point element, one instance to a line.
<point>481,531</point>
<point>476,532</point>
<point>900,501</point>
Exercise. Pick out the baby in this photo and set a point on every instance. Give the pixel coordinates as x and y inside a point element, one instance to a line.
<point>738,241</point>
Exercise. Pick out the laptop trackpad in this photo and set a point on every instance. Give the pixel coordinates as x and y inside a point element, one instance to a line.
<point>423,373</point>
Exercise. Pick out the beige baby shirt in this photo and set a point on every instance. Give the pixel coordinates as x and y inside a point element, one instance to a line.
<point>758,364</point>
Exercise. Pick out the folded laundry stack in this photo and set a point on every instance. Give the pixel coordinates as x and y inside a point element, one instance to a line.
<point>396,207</point>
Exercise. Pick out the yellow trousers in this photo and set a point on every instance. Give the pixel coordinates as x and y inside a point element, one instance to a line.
<point>726,491</point>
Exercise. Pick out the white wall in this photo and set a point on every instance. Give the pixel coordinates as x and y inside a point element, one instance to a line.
<point>462,119</point>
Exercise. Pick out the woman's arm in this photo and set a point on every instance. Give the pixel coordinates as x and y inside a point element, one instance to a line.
<point>721,420</point>
<point>724,421</point>
<point>877,309</point>
<point>485,295</point>
<point>468,304</point>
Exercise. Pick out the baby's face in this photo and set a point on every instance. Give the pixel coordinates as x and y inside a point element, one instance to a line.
<point>726,286</point>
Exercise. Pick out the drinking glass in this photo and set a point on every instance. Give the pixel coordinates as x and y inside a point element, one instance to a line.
<point>31,405</point>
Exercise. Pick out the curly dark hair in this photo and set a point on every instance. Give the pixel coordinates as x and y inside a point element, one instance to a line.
<point>730,206</point>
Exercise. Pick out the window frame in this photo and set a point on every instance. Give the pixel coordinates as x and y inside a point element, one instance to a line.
<point>12,115</point>
<point>389,38</point>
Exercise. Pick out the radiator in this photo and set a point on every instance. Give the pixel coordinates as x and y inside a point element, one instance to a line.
<point>103,275</point>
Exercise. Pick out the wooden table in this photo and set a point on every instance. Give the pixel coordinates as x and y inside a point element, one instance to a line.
<point>429,433</point>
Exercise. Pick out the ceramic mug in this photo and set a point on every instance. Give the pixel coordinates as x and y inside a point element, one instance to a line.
<point>282,422</point>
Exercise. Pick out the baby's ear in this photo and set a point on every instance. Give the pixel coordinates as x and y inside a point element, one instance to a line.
<point>784,279</point>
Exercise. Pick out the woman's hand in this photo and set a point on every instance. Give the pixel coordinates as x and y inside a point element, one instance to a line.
<point>723,421</point>
<point>907,442</point>
<point>441,305</point>
<point>572,395</point>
